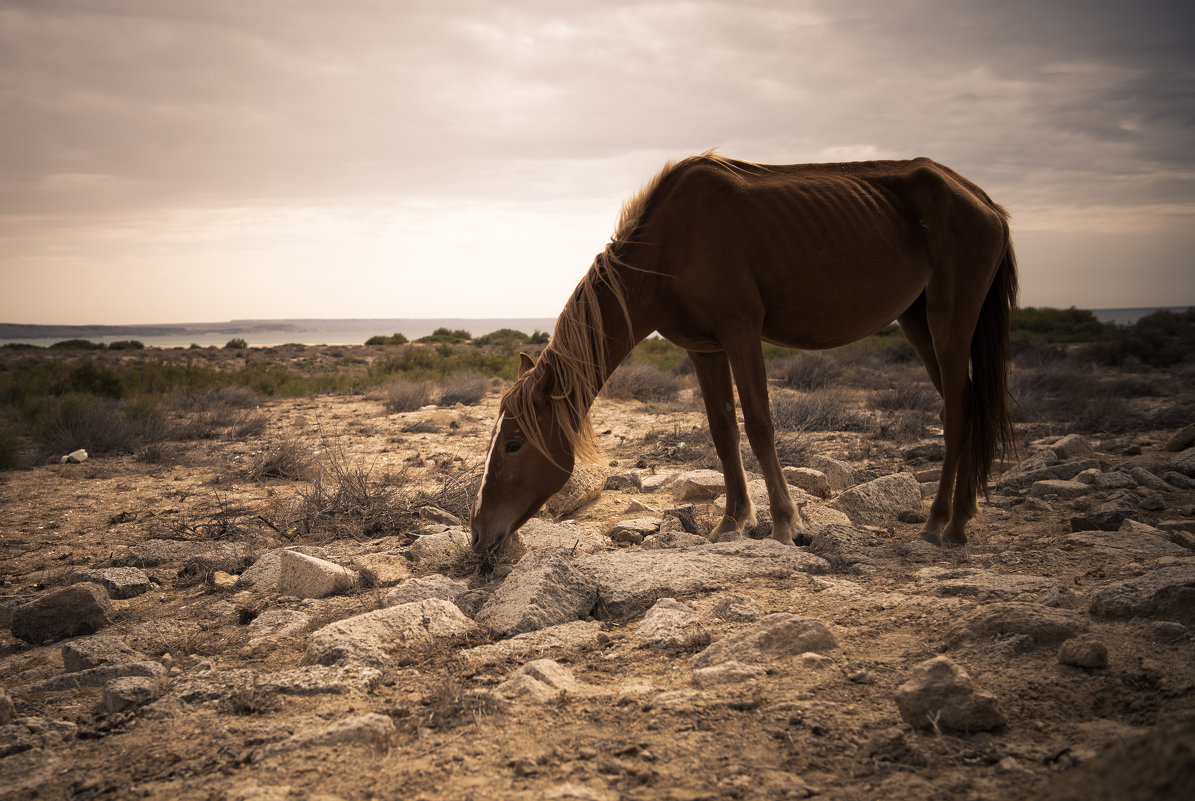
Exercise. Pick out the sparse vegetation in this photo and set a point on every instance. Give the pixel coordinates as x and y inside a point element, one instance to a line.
<point>394,339</point>
<point>407,396</point>
<point>465,388</point>
<point>642,382</point>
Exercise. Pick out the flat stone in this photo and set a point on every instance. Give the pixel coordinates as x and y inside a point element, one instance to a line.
<point>129,692</point>
<point>1044,625</point>
<point>1167,593</point>
<point>120,582</point>
<point>982,585</point>
<point>542,680</point>
<point>880,501</point>
<point>640,527</point>
<point>304,576</point>
<point>1058,488</point>
<point>382,569</point>
<point>275,624</point>
<point>775,635</point>
<point>940,694</point>
<point>425,588</point>
<point>1139,545</point>
<point>96,651</point>
<point>818,517</point>
<point>844,546</point>
<point>1036,468</point>
<point>727,673</point>
<point>653,482</point>
<point>630,581</point>
<point>78,609</point>
<point>207,684</point>
<point>932,450</point>
<point>543,589</point>
<point>671,624</point>
<point>371,730</point>
<point>538,533</point>
<point>365,639</point>
<point>101,675</point>
<point>155,552</point>
<point>673,538</point>
<point>580,635</point>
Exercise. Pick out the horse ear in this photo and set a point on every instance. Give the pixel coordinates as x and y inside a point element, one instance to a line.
<point>525,364</point>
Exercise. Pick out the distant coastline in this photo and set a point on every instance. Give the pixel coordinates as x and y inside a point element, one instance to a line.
<point>263,333</point>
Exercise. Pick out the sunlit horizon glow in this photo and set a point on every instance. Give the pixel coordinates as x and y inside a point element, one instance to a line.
<point>365,159</point>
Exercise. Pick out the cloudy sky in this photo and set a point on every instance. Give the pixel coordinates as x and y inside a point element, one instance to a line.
<point>169,161</point>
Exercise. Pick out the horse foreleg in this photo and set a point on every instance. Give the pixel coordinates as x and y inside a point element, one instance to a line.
<point>750,375</point>
<point>713,376</point>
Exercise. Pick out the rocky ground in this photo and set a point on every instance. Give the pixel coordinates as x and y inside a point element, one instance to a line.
<point>173,628</point>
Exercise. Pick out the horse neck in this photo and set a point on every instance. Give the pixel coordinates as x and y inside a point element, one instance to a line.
<point>621,329</point>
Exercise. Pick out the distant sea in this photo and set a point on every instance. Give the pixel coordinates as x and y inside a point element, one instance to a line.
<point>262,333</point>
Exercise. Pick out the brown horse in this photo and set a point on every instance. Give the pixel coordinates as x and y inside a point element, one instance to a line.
<point>717,255</point>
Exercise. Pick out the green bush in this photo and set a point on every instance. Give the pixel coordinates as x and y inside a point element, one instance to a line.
<point>236,343</point>
<point>446,337</point>
<point>126,344</point>
<point>381,339</point>
<point>503,337</point>
<point>1058,325</point>
<point>78,344</point>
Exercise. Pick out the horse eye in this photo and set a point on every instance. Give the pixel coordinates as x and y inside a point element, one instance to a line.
<point>513,447</point>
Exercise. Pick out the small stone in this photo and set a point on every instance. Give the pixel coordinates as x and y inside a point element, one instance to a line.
<point>699,485</point>
<point>1059,488</point>
<point>438,544</point>
<point>775,635</point>
<point>671,624</point>
<point>1083,652</point>
<point>940,694</point>
<point>434,585</point>
<point>129,692</point>
<point>633,531</point>
<point>932,450</point>
<point>839,474</point>
<point>223,581</point>
<point>74,457</point>
<point>737,609</point>
<point>1072,446</point>
<point>306,576</point>
<point>812,481</point>
<point>78,609</point>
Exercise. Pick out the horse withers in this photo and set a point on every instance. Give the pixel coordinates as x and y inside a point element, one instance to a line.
<point>718,255</point>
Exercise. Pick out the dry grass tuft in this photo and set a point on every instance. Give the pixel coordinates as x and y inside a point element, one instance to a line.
<point>409,396</point>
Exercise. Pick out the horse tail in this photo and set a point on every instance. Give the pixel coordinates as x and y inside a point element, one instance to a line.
<point>991,420</point>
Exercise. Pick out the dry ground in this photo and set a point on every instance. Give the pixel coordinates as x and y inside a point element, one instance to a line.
<point>640,730</point>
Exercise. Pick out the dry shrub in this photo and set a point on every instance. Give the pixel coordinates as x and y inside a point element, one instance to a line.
<point>805,371</point>
<point>824,410</point>
<point>288,459</point>
<point>100,425</point>
<point>642,382</point>
<point>904,426</point>
<point>906,396</point>
<point>408,396</point>
<point>465,388</point>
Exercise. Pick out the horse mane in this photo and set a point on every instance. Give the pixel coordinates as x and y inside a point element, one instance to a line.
<point>576,356</point>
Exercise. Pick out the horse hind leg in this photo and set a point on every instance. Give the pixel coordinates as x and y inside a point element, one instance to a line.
<point>915,326</point>
<point>713,376</point>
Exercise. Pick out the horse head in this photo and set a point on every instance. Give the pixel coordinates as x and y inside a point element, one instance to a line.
<point>531,456</point>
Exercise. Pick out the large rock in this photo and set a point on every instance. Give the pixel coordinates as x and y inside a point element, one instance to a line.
<point>839,474</point>
<point>630,581</point>
<point>881,501</point>
<point>365,639</point>
<point>306,576</point>
<point>1167,593</point>
<point>815,482</point>
<point>543,589</point>
<point>439,545</point>
<point>775,635</point>
<point>941,695</point>
<point>78,609</point>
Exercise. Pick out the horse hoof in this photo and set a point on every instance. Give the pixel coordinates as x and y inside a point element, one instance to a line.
<point>954,542</point>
